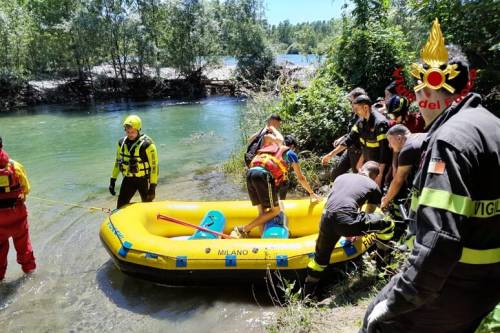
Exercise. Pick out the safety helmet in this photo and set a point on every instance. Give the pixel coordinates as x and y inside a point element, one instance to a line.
<point>133,121</point>
<point>398,106</point>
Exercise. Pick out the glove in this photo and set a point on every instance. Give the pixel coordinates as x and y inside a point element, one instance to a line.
<point>111,188</point>
<point>379,313</point>
<point>151,193</point>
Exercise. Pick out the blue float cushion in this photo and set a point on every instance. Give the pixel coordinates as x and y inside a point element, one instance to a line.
<point>213,220</point>
<point>276,228</point>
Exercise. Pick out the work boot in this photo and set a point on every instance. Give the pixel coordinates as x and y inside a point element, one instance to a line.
<point>311,288</point>
<point>386,230</point>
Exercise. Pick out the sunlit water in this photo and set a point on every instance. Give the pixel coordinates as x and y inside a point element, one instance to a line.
<point>69,153</point>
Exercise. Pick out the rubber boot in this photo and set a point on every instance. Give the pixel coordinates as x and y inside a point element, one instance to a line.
<point>311,289</point>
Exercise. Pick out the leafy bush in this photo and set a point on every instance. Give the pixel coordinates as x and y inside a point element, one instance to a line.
<point>368,57</point>
<point>491,323</point>
<point>316,115</point>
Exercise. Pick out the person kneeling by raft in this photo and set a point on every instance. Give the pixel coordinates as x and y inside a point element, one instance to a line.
<point>342,217</point>
<point>268,170</point>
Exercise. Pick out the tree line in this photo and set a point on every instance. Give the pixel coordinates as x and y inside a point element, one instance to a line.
<point>61,38</point>
<point>67,38</point>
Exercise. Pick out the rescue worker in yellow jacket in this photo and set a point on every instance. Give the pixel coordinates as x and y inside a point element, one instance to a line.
<point>450,281</point>
<point>137,160</point>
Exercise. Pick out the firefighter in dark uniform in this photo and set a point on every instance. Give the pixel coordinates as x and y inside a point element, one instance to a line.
<point>370,132</point>
<point>342,217</point>
<point>407,149</point>
<point>350,157</point>
<point>137,160</point>
<point>450,282</point>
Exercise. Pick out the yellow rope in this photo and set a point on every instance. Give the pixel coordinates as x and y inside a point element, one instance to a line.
<point>91,208</point>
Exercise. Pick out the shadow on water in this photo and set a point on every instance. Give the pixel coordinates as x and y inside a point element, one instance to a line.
<point>8,290</point>
<point>172,302</point>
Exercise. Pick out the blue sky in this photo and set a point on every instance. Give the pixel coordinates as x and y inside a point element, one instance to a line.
<point>302,10</point>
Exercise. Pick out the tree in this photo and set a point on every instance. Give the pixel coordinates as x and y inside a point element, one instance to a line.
<point>243,31</point>
<point>190,42</point>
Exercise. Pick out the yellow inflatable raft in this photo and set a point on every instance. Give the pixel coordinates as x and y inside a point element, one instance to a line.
<point>143,245</point>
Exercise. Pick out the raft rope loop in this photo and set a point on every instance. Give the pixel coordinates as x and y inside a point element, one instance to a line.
<point>70,204</point>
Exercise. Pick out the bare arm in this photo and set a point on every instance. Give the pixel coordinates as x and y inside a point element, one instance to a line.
<point>380,176</point>
<point>279,137</point>
<point>399,179</point>
<point>303,181</point>
<point>360,162</point>
<point>337,150</point>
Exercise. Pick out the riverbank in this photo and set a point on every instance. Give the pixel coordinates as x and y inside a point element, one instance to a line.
<point>103,84</point>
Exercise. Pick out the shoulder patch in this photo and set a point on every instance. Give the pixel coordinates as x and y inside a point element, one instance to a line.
<point>436,166</point>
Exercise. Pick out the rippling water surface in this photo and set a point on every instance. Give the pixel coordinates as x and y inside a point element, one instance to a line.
<point>68,153</point>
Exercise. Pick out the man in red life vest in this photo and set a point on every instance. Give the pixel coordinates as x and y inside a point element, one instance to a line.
<point>14,186</point>
<point>268,170</point>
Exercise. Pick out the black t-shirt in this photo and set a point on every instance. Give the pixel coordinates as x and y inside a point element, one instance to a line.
<point>350,191</point>
<point>411,151</point>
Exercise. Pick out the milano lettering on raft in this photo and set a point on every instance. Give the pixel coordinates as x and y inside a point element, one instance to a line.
<point>226,252</point>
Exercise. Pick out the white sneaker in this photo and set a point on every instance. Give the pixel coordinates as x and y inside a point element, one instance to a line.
<point>235,233</point>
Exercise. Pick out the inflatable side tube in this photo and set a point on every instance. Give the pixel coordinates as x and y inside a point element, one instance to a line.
<point>213,220</point>
<point>276,227</point>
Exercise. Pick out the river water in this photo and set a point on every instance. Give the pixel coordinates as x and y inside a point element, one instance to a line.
<point>68,153</point>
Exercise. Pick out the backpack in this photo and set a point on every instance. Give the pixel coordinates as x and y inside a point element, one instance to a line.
<point>252,148</point>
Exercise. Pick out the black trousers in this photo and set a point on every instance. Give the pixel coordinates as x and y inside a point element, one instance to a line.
<point>346,161</point>
<point>334,225</point>
<point>129,186</point>
<point>469,294</point>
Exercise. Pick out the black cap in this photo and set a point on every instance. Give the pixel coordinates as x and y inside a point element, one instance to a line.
<point>275,116</point>
<point>290,141</point>
<point>362,99</point>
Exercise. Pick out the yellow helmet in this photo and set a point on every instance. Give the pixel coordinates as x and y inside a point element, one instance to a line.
<point>133,121</point>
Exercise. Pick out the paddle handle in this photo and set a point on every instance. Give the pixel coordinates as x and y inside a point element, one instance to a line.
<point>186,224</point>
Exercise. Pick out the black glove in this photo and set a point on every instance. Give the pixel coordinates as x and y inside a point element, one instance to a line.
<point>111,188</point>
<point>151,193</point>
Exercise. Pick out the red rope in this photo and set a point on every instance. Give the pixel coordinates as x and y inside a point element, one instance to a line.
<point>186,224</point>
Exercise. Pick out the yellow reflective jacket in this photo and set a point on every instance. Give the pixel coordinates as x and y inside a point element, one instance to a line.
<point>137,158</point>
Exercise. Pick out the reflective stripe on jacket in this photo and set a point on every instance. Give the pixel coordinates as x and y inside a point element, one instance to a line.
<point>455,203</point>
<point>138,160</point>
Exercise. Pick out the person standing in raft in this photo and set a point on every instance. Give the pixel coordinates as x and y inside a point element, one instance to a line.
<point>14,186</point>
<point>342,217</point>
<point>137,160</point>
<point>255,142</point>
<point>268,170</point>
